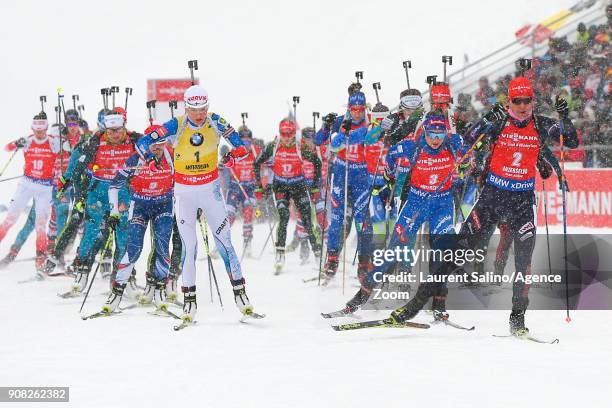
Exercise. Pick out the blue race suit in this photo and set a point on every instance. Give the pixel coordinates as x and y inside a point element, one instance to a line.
<point>357,187</point>
<point>151,201</point>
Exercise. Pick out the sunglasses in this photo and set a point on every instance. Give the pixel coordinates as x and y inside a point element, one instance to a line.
<point>436,135</point>
<point>115,130</point>
<point>357,109</point>
<point>72,124</point>
<point>287,134</point>
<point>519,101</point>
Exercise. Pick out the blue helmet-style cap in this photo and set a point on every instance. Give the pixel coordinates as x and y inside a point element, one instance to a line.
<point>435,126</point>
<point>101,115</point>
<point>357,99</point>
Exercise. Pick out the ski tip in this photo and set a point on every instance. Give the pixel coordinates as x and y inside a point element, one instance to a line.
<point>336,328</point>
<point>555,341</point>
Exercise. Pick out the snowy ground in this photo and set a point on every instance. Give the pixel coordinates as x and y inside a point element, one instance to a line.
<point>292,358</point>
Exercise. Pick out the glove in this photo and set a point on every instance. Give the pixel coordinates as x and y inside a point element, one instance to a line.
<point>258,192</point>
<point>347,124</point>
<point>113,221</point>
<point>315,194</point>
<point>496,113</point>
<point>561,108</point>
<point>387,123</point>
<point>78,205</point>
<point>383,192</point>
<point>21,142</point>
<point>328,121</point>
<point>229,159</point>
<point>154,164</point>
<point>544,168</point>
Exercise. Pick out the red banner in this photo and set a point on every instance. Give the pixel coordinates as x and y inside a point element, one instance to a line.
<point>164,90</point>
<point>589,201</point>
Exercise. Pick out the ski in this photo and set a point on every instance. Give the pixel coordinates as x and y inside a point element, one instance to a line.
<point>99,314</point>
<point>184,324</point>
<point>136,305</point>
<point>251,315</point>
<point>384,323</point>
<point>316,278</point>
<point>347,311</point>
<point>453,324</point>
<point>164,313</point>
<point>69,294</point>
<point>527,337</point>
<point>35,278</point>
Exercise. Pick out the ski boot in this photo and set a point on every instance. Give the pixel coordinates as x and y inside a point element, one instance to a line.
<point>114,298</point>
<point>360,299</point>
<point>304,251</point>
<point>293,245</point>
<point>247,251</point>
<point>331,267</point>
<point>40,265</point>
<point>190,306</point>
<point>159,295</point>
<point>438,308</point>
<point>106,267</point>
<point>241,298</point>
<point>171,289</point>
<point>279,262</point>
<point>517,323</point>
<point>80,279</point>
<point>410,309</point>
<point>10,257</point>
<point>50,265</point>
<point>146,297</point>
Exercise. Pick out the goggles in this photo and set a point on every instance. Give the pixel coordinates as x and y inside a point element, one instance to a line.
<point>521,101</point>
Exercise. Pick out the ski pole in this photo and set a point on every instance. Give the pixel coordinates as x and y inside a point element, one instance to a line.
<point>211,269</point>
<point>10,178</point>
<point>114,91</point>
<point>563,195</point>
<point>271,230</point>
<point>371,187</point>
<point>344,214</point>
<point>60,100</point>
<point>446,59</point>
<point>104,93</point>
<point>267,239</point>
<point>43,99</point>
<point>431,80</point>
<point>109,241</point>
<point>75,98</point>
<point>244,116</point>
<point>296,101</point>
<point>151,104</point>
<point>546,223</point>
<point>95,167</point>
<point>8,162</point>
<point>193,66</point>
<point>407,65</point>
<point>173,104</point>
<point>128,93</point>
